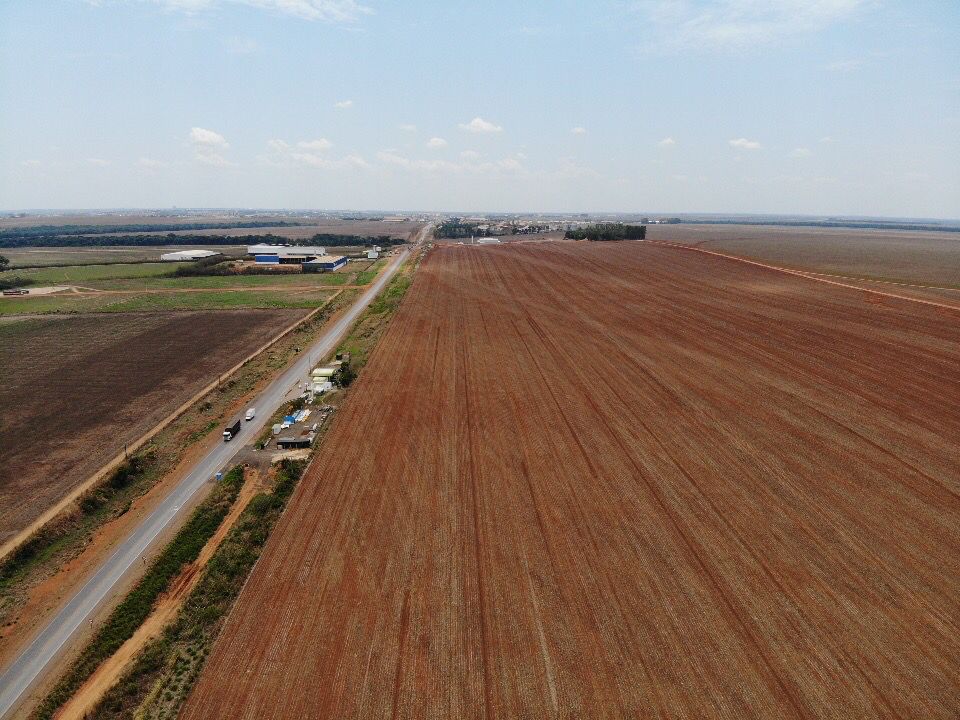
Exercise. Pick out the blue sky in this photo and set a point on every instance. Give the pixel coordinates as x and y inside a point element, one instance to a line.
<point>781,106</point>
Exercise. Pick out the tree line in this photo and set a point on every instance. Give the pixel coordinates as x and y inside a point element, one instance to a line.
<point>69,230</point>
<point>608,231</point>
<point>58,240</point>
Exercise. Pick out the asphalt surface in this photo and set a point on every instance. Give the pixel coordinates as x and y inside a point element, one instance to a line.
<point>31,665</point>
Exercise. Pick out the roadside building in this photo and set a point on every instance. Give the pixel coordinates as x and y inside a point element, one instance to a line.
<point>284,254</point>
<point>292,443</point>
<point>188,255</point>
<point>324,263</point>
<point>373,254</point>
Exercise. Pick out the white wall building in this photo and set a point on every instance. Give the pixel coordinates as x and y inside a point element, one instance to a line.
<point>187,255</point>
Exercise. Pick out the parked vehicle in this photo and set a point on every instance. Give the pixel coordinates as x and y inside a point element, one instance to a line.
<point>250,413</point>
<point>231,431</point>
<point>16,291</point>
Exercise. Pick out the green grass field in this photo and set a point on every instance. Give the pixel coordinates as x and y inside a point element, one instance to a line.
<point>370,272</point>
<point>82,274</point>
<point>40,257</point>
<point>225,281</point>
<point>212,300</point>
<point>148,288</point>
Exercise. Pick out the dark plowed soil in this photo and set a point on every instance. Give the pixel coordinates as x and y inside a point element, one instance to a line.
<point>75,389</point>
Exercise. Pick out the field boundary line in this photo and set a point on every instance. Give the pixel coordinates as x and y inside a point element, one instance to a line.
<point>13,543</point>
<point>808,275</point>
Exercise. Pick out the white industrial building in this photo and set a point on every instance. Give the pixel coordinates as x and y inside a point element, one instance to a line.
<point>187,255</point>
<point>283,254</point>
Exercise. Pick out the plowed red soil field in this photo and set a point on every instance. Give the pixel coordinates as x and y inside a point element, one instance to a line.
<point>75,389</point>
<point>620,481</point>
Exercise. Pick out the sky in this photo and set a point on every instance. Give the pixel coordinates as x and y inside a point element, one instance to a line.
<point>822,107</point>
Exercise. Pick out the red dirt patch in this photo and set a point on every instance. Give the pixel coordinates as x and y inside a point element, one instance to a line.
<point>619,480</point>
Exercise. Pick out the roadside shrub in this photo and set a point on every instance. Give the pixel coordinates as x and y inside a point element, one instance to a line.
<point>136,606</point>
<point>15,281</point>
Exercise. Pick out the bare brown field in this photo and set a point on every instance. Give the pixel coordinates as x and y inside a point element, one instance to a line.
<point>76,389</point>
<point>619,480</point>
<point>899,255</point>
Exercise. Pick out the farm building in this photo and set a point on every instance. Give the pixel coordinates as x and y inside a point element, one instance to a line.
<point>324,263</point>
<point>289,443</point>
<point>188,255</point>
<point>372,254</point>
<point>284,254</point>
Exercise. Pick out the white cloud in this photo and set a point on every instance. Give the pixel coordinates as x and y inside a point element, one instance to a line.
<point>844,66</point>
<point>827,139</point>
<point>30,163</point>
<point>241,45</point>
<point>214,160</point>
<point>202,138</point>
<point>744,144</point>
<point>579,131</point>
<point>151,163</point>
<point>534,30</point>
<point>408,128</point>
<point>318,145</point>
<point>479,125</point>
<point>308,152</point>
<point>739,24</point>
<point>436,142</point>
<point>208,146</point>
<point>667,142</point>
<point>800,152</point>
<point>570,169</point>
<point>98,162</point>
<point>469,165</point>
<point>350,161</point>
<point>338,11</point>
<point>343,104</point>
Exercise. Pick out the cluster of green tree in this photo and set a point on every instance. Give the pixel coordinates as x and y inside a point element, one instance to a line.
<point>204,267</point>
<point>216,267</point>
<point>348,240</point>
<point>453,229</point>
<point>345,375</point>
<point>15,281</point>
<point>45,230</point>
<point>610,231</point>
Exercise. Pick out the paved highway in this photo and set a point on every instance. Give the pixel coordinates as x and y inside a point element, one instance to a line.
<point>33,662</point>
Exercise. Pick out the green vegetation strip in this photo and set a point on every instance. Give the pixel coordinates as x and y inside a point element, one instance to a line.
<point>108,500</point>
<point>81,274</point>
<point>162,675</point>
<point>138,302</point>
<point>373,323</point>
<point>135,608</point>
